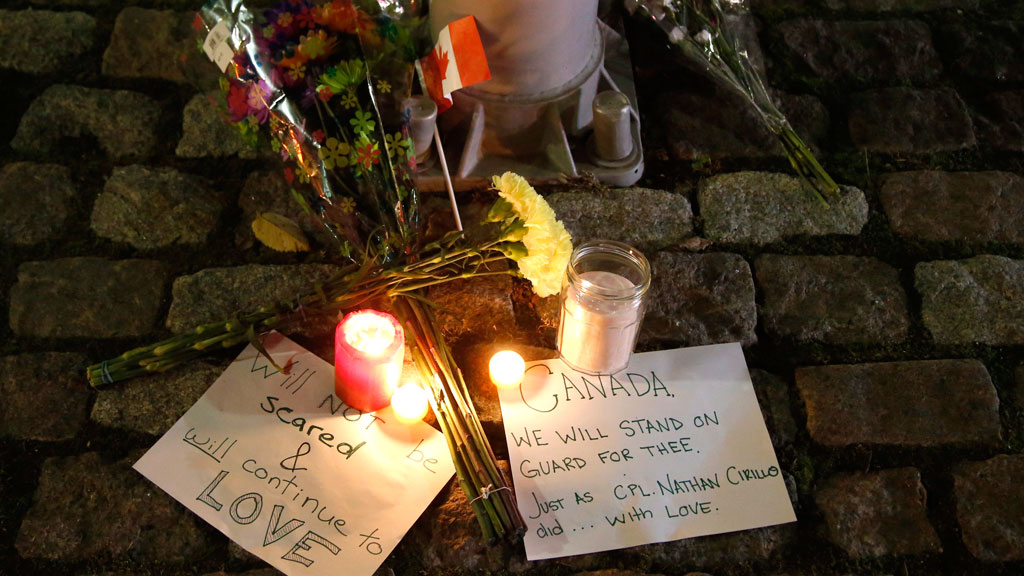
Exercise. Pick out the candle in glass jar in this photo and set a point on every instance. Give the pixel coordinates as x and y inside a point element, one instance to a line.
<point>369,348</point>
<point>602,306</point>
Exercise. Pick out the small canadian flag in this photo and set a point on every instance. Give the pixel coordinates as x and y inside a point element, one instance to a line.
<point>456,61</point>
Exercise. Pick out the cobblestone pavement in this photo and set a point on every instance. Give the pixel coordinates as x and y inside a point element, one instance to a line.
<point>885,336</point>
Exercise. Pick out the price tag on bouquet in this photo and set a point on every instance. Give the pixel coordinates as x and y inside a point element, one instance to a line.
<point>277,463</point>
<point>216,46</point>
<point>672,447</point>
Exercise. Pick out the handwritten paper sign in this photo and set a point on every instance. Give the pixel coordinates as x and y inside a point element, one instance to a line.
<point>282,467</point>
<point>672,447</point>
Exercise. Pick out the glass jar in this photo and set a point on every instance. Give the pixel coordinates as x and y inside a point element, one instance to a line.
<point>602,306</point>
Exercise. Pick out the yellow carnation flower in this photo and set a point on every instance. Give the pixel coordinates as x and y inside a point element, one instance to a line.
<point>548,245</point>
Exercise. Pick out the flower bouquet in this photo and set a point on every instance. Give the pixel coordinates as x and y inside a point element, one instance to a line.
<point>698,28</point>
<point>326,83</point>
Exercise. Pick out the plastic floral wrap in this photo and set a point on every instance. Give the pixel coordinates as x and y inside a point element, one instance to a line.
<point>328,82</point>
<point>699,29</point>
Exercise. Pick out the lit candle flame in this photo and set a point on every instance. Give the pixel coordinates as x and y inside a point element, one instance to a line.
<point>369,333</point>
<point>409,402</point>
<point>507,369</point>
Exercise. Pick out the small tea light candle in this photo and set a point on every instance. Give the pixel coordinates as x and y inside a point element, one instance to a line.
<point>369,347</point>
<point>507,368</point>
<point>409,402</point>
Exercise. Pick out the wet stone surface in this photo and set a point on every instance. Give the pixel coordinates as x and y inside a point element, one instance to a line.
<point>887,52</point>
<point>765,207</point>
<point>948,206</point>
<point>44,42</point>
<point>87,508</point>
<point>928,403</point>
<point>87,298</point>
<point>36,200</point>
<point>698,299</point>
<point>773,398</point>
<point>999,120</point>
<point>800,293</point>
<point>150,207</point>
<point>976,300</point>
<point>45,395</point>
<point>906,120</point>
<point>481,306</point>
<point>878,513</point>
<point>991,52</point>
<point>217,294</point>
<point>157,44</point>
<point>990,507</point>
<point>643,218</point>
<point>152,405</point>
<point>123,123</point>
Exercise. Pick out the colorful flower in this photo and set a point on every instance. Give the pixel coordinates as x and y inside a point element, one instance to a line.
<point>335,153</point>
<point>324,93</point>
<point>347,205</point>
<point>258,96</point>
<point>304,19</point>
<point>316,44</point>
<point>238,106</point>
<point>289,174</point>
<point>295,73</point>
<point>197,22</point>
<point>349,100</point>
<point>367,153</point>
<point>384,86</point>
<point>284,19</point>
<point>362,122</point>
<point>318,136</point>
<point>269,32</point>
<point>548,245</point>
<point>395,144</point>
<point>346,74</point>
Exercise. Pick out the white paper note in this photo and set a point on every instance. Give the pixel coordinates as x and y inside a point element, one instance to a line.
<point>282,467</point>
<point>672,447</point>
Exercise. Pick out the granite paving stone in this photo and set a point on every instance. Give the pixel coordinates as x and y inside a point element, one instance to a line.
<point>978,300</point>
<point>157,44</point>
<point>87,509</point>
<point>216,294</point>
<point>991,51</point>
<point>714,122</point>
<point>153,207</point>
<point>886,52</point>
<point>153,404</point>
<point>480,306</point>
<point>37,200</point>
<point>450,536</point>
<point>999,120</point>
<point>644,218</point>
<point>716,552</point>
<point>123,123</point>
<point>698,299</point>
<point>990,507</point>
<point>900,5</point>
<point>43,41</point>
<point>950,206</point>
<point>87,297</point>
<point>773,398</point>
<point>832,299</point>
<point>909,120</point>
<point>45,395</point>
<point>765,207</point>
<point>927,403</point>
<point>206,132</point>
<point>878,513</point>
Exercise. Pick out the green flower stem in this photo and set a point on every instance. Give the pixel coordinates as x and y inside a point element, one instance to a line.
<point>455,412</point>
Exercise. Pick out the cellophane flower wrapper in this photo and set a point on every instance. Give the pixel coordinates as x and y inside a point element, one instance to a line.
<point>699,29</point>
<point>328,82</point>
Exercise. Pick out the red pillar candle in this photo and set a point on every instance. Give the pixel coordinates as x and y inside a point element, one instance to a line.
<point>369,348</point>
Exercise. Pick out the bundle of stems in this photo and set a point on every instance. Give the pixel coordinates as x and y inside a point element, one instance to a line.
<point>699,29</point>
<point>485,486</point>
<point>441,261</point>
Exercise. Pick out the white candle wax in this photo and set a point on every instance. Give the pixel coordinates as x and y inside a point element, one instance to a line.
<point>597,335</point>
